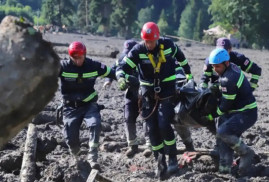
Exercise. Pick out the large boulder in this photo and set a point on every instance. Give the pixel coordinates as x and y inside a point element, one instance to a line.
<point>29,69</point>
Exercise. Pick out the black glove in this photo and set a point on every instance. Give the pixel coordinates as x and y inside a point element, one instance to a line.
<point>132,81</point>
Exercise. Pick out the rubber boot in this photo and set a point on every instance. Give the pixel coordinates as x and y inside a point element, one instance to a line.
<point>246,155</point>
<point>223,169</point>
<point>133,149</point>
<point>92,159</point>
<point>172,165</point>
<point>148,151</point>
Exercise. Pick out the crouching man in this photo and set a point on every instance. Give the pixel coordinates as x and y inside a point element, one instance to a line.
<point>237,111</point>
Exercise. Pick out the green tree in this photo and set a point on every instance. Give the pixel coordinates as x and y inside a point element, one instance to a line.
<point>187,20</point>
<point>55,12</point>
<point>194,19</point>
<point>163,24</point>
<point>238,15</point>
<point>145,15</point>
<point>123,16</point>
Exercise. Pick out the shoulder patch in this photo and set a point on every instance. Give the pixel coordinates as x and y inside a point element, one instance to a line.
<point>246,62</point>
<point>103,66</point>
<point>223,89</point>
<point>235,68</point>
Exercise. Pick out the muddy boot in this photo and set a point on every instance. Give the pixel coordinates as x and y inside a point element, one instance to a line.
<point>223,169</point>
<point>133,149</point>
<point>246,155</point>
<point>92,159</point>
<point>173,165</point>
<point>161,169</point>
<point>147,152</point>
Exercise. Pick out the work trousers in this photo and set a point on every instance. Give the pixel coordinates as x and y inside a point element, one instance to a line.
<point>73,117</point>
<point>233,124</point>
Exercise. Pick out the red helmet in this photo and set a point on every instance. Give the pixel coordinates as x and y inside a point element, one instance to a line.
<point>150,31</point>
<point>76,49</point>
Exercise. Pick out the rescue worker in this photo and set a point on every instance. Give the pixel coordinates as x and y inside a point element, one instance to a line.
<point>131,106</point>
<point>155,59</point>
<point>239,59</point>
<point>237,112</point>
<point>78,75</point>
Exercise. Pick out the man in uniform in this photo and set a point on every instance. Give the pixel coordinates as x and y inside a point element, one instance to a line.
<point>239,59</point>
<point>155,58</point>
<point>78,75</point>
<point>237,111</point>
<point>131,104</point>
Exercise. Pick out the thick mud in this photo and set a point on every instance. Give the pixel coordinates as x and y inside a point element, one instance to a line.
<point>55,164</point>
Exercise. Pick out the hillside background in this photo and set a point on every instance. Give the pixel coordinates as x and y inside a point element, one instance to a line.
<point>246,20</point>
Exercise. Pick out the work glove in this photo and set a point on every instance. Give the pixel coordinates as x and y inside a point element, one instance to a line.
<point>215,90</point>
<point>253,84</point>
<point>132,81</point>
<point>208,118</point>
<point>189,76</point>
<point>203,85</point>
<point>122,84</point>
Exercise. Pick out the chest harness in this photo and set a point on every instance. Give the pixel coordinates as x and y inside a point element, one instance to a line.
<point>156,63</point>
<point>157,68</point>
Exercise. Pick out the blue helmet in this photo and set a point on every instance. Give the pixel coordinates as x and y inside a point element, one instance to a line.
<point>218,55</point>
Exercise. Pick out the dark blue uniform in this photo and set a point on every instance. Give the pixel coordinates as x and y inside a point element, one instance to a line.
<point>240,60</point>
<point>79,96</point>
<point>131,105</point>
<point>157,90</point>
<point>237,110</point>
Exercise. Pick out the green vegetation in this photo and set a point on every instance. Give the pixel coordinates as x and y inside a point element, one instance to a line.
<point>247,20</point>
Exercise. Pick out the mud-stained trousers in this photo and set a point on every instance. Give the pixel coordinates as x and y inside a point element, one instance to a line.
<point>73,117</point>
<point>130,115</point>
<point>229,129</point>
<point>161,133</point>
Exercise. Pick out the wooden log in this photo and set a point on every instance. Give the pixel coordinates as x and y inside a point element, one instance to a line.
<point>95,176</point>
<point>28,163</point>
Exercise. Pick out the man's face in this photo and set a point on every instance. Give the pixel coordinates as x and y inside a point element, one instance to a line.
<point>78,59</point>
<point>220,68</point>
<point>150,44</point>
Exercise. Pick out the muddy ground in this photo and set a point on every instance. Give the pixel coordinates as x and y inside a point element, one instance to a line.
<point>55,164</point>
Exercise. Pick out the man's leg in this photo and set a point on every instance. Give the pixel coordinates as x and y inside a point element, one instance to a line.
<point>165,116</point>
<point>130,115</point>
<point>229,133</point>
<point>93,122</point>
<point>72,119</point>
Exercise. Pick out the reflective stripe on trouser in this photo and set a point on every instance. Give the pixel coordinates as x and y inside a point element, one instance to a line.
<point>229,129</point>
<point>130,115</point>
<point>160,129</point>
<point>93,122</point>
